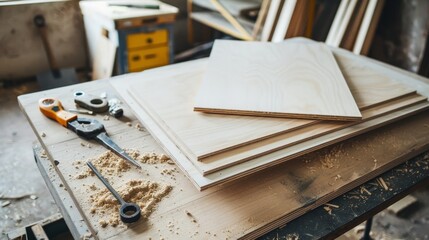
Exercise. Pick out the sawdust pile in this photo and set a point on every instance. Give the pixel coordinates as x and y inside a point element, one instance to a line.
<point>111,164</point>
<point>146,194</point>
<point>107,163</point>
<point>331,159</point>
<point>149,158</point>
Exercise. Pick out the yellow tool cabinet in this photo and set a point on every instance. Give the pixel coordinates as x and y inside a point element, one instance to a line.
<point>144,36</point>
<point>147,50</point>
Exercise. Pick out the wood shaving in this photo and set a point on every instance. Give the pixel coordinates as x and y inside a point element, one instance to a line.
<point>83,144</point>
<point>191,216</point>
<point>293,236</point>
<point>129,124</point>
<point>139,127</point>
<point>5,203</point>
<point>382,183</point>
<point>328,209</point>
<point>332,205</point>
<point>146,194</point>
<point>43,154</point>
<point>43,134</point>
<point>106,118</point>
<point>363,189</point>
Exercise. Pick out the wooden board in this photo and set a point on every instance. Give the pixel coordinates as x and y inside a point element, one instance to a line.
<point>279,80</point>
<point>216,21</point>
<point>353,28</point>
<point>245,209</point>
<point>224,160</point>
<point>369,24</point>
<point>230,18</point>
<point>369,88</point>
<point>333,31</point>
<point>260,21</point>
<point>344,23</point>
<point>222,133</point>
<point>372,28</point>
<point>254,165</point>
<point>298,21</point>
<point>284,21</point>
<point>271,21</point>
<point>249,166</point>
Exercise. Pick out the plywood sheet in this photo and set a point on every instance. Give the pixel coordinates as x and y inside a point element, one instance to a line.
<point>375,91</point>
<point>274,158</point>
<point>289,79</point>
<point>255,165</point>
<point>223,132</point>
<point>258,149</point>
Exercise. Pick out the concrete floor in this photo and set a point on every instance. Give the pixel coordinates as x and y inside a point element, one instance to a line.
<point>20,176</point>
<point>18,171</point>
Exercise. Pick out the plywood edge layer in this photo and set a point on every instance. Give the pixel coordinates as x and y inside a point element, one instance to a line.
<point>278,114</point>
<point>236,172</point>
<point>312,132</point>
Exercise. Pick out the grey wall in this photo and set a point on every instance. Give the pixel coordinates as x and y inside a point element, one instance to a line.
<point>21,49</point>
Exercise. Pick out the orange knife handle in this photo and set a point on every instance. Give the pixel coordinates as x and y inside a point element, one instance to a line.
<point>52,108</point>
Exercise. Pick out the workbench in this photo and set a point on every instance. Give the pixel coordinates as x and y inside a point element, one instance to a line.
<point>299,190</point>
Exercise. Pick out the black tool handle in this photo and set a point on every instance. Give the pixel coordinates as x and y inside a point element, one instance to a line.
<point>39,21</point>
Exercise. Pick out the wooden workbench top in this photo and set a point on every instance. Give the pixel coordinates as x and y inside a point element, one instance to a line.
<point>243,209</point>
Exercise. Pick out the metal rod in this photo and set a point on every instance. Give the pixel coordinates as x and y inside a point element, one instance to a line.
<point>368,226</point>
<point>106,183</point>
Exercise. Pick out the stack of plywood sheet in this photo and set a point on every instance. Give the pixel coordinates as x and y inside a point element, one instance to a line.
<point>213,148</point>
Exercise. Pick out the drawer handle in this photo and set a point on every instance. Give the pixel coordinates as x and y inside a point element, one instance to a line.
<point>149,40</point>
<point>135,58</point>
<point>150,56</point>
<point>150,20</point>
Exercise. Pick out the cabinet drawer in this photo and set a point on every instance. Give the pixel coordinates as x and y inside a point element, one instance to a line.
<point>147,39</point>
<point>139,60</point>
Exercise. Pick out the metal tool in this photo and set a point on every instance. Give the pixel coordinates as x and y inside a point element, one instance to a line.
<point>80,111</point>
<point>115,108</point>
<point>91,102</point>
<point>84,127</point>
<point>129,212</point>
<point>147,6</point>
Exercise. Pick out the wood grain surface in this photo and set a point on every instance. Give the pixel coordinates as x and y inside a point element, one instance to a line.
<point>283,80</point>
<point>224,133</point>
<point>273,158</point>
<point>252,166</point>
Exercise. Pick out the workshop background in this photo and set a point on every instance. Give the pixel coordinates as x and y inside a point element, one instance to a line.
<point>401,39</point>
